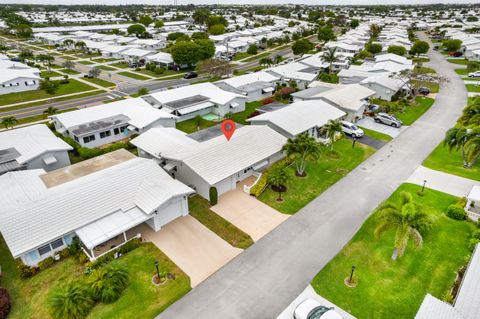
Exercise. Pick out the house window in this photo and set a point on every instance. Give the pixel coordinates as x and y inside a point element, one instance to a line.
<point>26,83</point>
<point>75,138</point>
<point>88,139</point>
<point>116,131</point>
<point>105,134</point>
<point>44,249</point>
<point>57,243</point>
<point>123,129</point>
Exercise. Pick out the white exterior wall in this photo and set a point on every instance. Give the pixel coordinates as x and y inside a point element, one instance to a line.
<point>6,87</point>
<point>381,92</point>
<point>33,257</point>
<point>62,161</point>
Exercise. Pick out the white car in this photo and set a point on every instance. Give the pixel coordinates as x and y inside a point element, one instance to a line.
<point>312,309</point>
<point>351,129</point>
<point>475,74</point>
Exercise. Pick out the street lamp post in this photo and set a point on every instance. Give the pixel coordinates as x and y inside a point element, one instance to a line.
<point>158,272</point>
<point>423,186</point>
<point>351,274</point>
<point>354,141</point>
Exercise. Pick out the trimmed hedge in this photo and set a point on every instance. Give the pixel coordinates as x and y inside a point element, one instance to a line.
<point>125,248</point>
<point>262,183</point>
<point>457,212</point>
<point>5,303</point>
<point>213,195</point>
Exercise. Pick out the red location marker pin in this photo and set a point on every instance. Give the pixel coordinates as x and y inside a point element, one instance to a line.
<point>228,128</point>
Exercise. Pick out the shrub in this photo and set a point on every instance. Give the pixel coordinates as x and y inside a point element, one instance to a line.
<point>213,195</point>
<point>70,301</point>
<point>108,283</point>
<point>476,234</point>
<point>105,259</point>
<point>473,243</point>
<point>329,78</point>
<point>159,70</point>
<point>129,246</point>
<point>456,212</point>
<point>44,264</point>
<point>5,303</point>
<point>268,100</point>
<point>26,271</point>
<point>74,247</point>
<point>260,186</point>
<point>82,258</point>
<point>64,253</point>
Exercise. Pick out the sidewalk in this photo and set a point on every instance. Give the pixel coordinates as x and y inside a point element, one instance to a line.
<point>444,182</point>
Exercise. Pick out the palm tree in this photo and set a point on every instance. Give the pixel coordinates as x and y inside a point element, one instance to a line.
<point>70,301</point>
<point>332,129</point>
<point>68,43</point>
<point>278,177</point>
<point>9,121</point>
<point>301,149</point>
<point>278,59</point>
<point>330,56</point>
<point>108,283</point>
<point>471,114</point>
<point>472,149</point>
<point>457,138</point>
<point>50,111</point>
<point>408,221</point>
<point>80,45</point>
<point>265,61</point>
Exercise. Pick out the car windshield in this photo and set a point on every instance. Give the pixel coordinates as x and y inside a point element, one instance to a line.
<point>354,127</point>
<point>317,312</point>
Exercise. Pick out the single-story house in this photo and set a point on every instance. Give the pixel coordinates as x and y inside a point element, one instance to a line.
<point>18,80</point>
<point>465,304</point>
<point>186,102</point>
<point>99,201</point>
<point>161,58</point>
<point>32,147</point>
<point>391,57</point>
<point>386,86</point>
<point>302,74</point>
<point>300,117</point>
<point>107,123</point>
<point>135,54</point>
<point>254,86</point>
<point>216,162</point>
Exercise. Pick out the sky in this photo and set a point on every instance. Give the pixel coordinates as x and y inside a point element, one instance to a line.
<point>315,2</point>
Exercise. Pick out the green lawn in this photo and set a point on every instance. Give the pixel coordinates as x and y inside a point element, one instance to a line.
<point>141,297</point>
<point>413,112</point>
<point>395,289</point>
<point>134,75</point>
<point>471,79</point>
<point>190,126</point>
<point>102,60</point>
<point>462,71</point>
<point>420,60</point>
<point>425,70</point>
<point>72,87</point>
<point>120,65</point>
<point>105,68</point>
<point>68,71</point>
<point>40,117</point>
<point>67,57</point>
<point>473,88</point>
<point>250,107</point>
<point>200,209</point>
<point>451,162</point>
<point>241,55</point>
<point>458,61</point>
<point>377,135</point>
<point>100,82</point>
<point>165,73</point>
<point>49,74</point>
<point>86,62</point>
<point>432,86</point>
<point>257,57</point>
<point>320,176</point>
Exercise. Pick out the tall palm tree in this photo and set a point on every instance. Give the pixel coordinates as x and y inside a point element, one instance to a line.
<point>80,45</point>
<point>70,301</point>
<point>471,114</point>
<point>406,219</point>
<point>68,43</point>
<point>301,149</point>
<point>457,138</point>
<point>9,122</point>
<point>472,149</point>
<point>330,56</point>
<point>51,110</point>
<point>333,129</point>
<point>278,177</point>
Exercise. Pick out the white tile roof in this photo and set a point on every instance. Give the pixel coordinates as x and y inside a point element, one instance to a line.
<point>350,97</point>
<point>141,113</point>
<point>137,183</point>
<point>393,57</point>
<point>467,301</point>
<point>433,308</point>
<point>262,76</point>
<point>32,141</point>
<point>301,116</point>
<point>387,81</point>
<point>293,71</point>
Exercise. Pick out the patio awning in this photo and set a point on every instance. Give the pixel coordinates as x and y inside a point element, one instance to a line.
<point>110,226</point>
<point>474,194</point>
<point>194,108</point>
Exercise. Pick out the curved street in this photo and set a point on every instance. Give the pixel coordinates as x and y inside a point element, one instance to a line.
<point>265,278</point>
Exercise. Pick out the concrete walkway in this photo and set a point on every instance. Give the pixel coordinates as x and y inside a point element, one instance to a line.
<point>309,293</point>
<point>266,277</point>
<point>194,248</point>
<point>440,181</point>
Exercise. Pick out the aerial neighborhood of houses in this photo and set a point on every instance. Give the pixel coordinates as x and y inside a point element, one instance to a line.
<point>240,161</point>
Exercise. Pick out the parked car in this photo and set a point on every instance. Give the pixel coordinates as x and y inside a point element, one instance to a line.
<point>88,76</point>
<point>190,75</point>
<point>475,74</point>
<point>423,91</point>
<point>387,119</point>
<point>312,309</point>
<point>351,129</point>
<point>455,54</point>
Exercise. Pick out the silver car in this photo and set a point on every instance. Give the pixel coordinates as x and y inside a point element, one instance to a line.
<point>387,119</point>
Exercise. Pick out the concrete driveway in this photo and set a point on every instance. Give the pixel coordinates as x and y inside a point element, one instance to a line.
<point>369,123</point>
<point>193,247</point>
<point>247,213</point>
<point>309,292</point>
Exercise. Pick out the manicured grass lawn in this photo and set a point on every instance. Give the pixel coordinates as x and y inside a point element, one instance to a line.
<point>425,70</point>
<point>458,61</point>
<point>240,55</point>
<point>462,71</point>
<point>40,117</point>
<point>49,74</point>
<point>86,62</point>
<point>421,60</point>
<point>102,60</point>
<point>200,209</point>
<point>100,82</point>
<point>320,175</point>
<point>432,86</point>
<point>71,72</point>
<point>451,162</point>
<point>413,112</point>
<point>29,296</point>
<point>258,57</point>
<point>120,65</point>
<point>471,79</point>
<point>395,289</point>
<point>473,88</point>
<point>134,75</point>
<point>68,57</point>
<point>105,68</point>
<point>250,107</point>
<point>165,73</point>
<point>72,87</point>
<point>377,135</point>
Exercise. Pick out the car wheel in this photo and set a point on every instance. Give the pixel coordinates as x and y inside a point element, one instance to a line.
<point>394,125</point>
<point>377,121</point>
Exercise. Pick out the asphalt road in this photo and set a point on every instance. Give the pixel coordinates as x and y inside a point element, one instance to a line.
<point>263,280</point>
